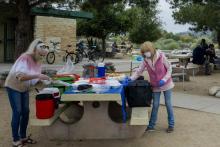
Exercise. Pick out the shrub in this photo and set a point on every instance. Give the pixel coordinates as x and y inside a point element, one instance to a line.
<point>167,41</point>
<point>172,46</point>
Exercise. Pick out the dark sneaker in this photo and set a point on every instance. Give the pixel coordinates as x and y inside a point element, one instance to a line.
<point>149,130</point>
<point>170,129</point>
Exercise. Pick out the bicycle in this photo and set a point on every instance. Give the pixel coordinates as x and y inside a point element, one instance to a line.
<point>92,53</point>
<point>51,57</point>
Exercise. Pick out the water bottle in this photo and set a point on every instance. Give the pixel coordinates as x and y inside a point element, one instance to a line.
<point>101,70</point>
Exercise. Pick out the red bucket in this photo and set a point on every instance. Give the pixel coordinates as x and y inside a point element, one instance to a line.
<point>45,106</point>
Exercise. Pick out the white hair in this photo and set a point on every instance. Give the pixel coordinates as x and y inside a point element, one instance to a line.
<point>33,45</point>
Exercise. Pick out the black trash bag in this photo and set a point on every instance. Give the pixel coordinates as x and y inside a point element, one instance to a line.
<point>140,78</point>
<point>84,87</point>
<point>139,93</point>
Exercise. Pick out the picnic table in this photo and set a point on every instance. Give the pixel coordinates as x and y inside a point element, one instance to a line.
<point>95,122</point>
<point>183,58</point>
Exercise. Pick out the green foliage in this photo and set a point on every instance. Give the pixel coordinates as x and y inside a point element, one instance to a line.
<point>170,41</point>
<point>144,25</point>
<point>208,40</point>
<point>185,41</point>
<point>167,44</point>
<point>118,38</point>
<point>172,46</point>
<point>158,45</point>
<point>107,19</point>
<point>140,33</point>
<point>202,14</point>
<point>170,35</point>
<point>186,38</point>
<point>167,41</point>
<point>112,17</point>
<point>197,41</point>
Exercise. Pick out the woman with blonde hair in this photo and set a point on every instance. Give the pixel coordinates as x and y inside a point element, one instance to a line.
<point>159,70</point>
<point>25,73</point>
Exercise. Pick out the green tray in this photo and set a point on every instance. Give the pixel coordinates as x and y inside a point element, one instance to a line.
<point>66,79</point>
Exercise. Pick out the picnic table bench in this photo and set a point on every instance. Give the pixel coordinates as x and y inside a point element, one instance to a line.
<point>48,122</point>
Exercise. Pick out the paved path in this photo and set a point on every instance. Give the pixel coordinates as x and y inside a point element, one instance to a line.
<point>200,103</point>
<point>121,65</point>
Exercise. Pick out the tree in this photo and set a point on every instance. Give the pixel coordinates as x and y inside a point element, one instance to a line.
<point>202,14</point>
<point>145,25</point>
<point>108,18</point>
<point>138,17</point>
<point>170,35</point>
<point>23,31</point>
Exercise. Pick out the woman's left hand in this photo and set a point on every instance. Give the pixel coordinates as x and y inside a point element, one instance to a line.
<point>161,83</point>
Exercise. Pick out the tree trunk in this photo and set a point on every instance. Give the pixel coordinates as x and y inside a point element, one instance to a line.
<point>103,43</point>
<point>218,38</point>
<point>23,32</point>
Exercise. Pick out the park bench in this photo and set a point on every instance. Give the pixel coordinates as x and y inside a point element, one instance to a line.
<point>180,76</point>
<point>139,116</point>
<point>217,63</point>
<point>50,121</point>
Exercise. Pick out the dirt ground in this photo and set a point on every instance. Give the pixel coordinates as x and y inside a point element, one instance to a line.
<point>193,129</point>
<point>200,84</point>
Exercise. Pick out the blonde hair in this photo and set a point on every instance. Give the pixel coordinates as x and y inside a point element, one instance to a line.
<point>33,45</point>
<point>147,46</point>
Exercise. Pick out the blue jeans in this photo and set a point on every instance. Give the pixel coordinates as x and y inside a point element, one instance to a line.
<point>19,102</point>
<point>156,103</point>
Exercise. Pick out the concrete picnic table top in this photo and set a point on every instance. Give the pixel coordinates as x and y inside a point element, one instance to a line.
<point>181,56</point>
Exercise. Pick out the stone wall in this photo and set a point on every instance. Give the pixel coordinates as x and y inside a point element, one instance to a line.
<point>56,29</point>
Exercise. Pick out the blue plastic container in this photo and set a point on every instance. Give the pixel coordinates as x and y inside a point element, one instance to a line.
<point>101,70</point>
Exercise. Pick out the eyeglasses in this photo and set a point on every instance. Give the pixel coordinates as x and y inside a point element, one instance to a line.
<point>44,47</point>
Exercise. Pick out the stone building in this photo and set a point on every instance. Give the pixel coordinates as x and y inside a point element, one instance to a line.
<point>51,25</point>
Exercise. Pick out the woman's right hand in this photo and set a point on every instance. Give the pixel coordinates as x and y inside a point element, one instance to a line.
<point>44,77</point>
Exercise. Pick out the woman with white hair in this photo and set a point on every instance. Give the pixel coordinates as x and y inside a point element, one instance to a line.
<point>25,73</point>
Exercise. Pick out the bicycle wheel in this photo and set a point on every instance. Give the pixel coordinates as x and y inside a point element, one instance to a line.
<point>79,57</point>
<point>50,57</point>
<point>92,56</point>
<point>97,57</point>
<point>84,54</point>
<point>74,58</point>
<point>102,56</point>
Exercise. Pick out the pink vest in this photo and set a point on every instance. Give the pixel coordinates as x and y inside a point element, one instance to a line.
<point>158,73</point>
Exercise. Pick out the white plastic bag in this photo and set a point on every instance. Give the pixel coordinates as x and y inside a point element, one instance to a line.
<point>68,68</point>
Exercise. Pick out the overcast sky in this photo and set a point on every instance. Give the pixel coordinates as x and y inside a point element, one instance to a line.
<point>167,19</point>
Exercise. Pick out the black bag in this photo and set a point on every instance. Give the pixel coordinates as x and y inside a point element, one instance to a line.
<point>84,87</point>
<point>139,93</point>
